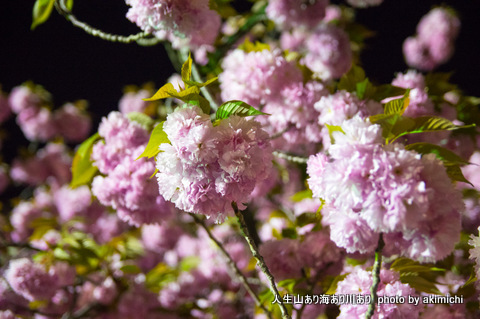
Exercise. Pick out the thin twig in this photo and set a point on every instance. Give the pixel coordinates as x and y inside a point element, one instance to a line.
<point>311,287</point>
<point>232,265</point>
<point>64,11</point>
<point>257,17</point>
<point>73,304</point>
<point>290,158</point>
<point>4,245</point>
<point>148,42</point>
<point>198,78</point>
<point>279,134</point>
<point>260,261</point>
<point>376,278</point>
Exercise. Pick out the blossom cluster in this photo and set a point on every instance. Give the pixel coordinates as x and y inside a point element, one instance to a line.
<point>267,80</point>
<point>371,189</point>
<point>359,282</point>
<point>125,183</point>
<point>184,23</point>
<point>39,123</point>
<point>205,168</point>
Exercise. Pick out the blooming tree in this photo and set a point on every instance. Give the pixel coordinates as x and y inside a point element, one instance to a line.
<point>269,178</point>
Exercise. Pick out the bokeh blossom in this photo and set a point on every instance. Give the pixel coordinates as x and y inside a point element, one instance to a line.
<point>434,42</point>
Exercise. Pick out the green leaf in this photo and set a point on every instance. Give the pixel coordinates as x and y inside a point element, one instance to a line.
<point>41,12</point>
<point>187,69</point>
<point>130,269</point>
<point>403,125</point>
<point>468,288</point>
<point>301,195</point>
<point>438,83</point>
<point>44,257</point>
<point>349,80</point>
<point>249,46</point>
<point>289,284</point>
<point>39,232</point>
<point>82,168</point>
<point>447,156</point>
<point>141,118</point>
<point>198,84</point>
<point>61,254</point>
<point>333,128</point>
<point>332,283</point>
<point>398,106</point>
<point>189,263</point>
<point>431,124</point>
<point>157,137</point>
<point>364,89</point>
<point>405,265</point>
<point>163,93</point>
<point>355,262</point>
<point>387,122</point>
<point>44,222</point>
<point>182,95</point>
<point>37,304</point>
<point>319,210</point>
<point>70,241</point>
<point>69,5</point>
<point>455,173</point>
<point>387,90</point>
<point>306,218</point>
<point>159,276</point>
<point>198,100</point>
<point>451,161</point>
<point>266,296</point>
<point>420,284</point>
<point>236,108</point>
<point>289,233</point>
<point>468,111</point>
<point>407,125</point>
<point>223,8</point>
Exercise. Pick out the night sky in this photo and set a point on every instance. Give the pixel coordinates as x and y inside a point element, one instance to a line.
<point>73,65</point>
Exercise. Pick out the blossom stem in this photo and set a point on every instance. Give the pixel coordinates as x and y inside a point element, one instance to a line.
<point>291,158</point>
<point>64,11</point>
<point>260,261</point>
<point>197,77</point>
<point>232,265</point>
<point>376,278</point>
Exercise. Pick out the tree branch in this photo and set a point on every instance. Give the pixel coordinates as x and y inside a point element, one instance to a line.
<point>242,31</point>
<point>64,11</point>
<point>260,261</point>
<point>290,158</point>
<point>376,278</point>
<point>232,265</point>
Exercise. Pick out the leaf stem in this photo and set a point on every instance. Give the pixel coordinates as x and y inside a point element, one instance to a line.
<point>139,37</point>
<point>376,278</point>
<point>232,265</point>
<point>260,261</point>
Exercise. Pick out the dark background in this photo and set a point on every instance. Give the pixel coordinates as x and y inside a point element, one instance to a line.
<point>73,65</point>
